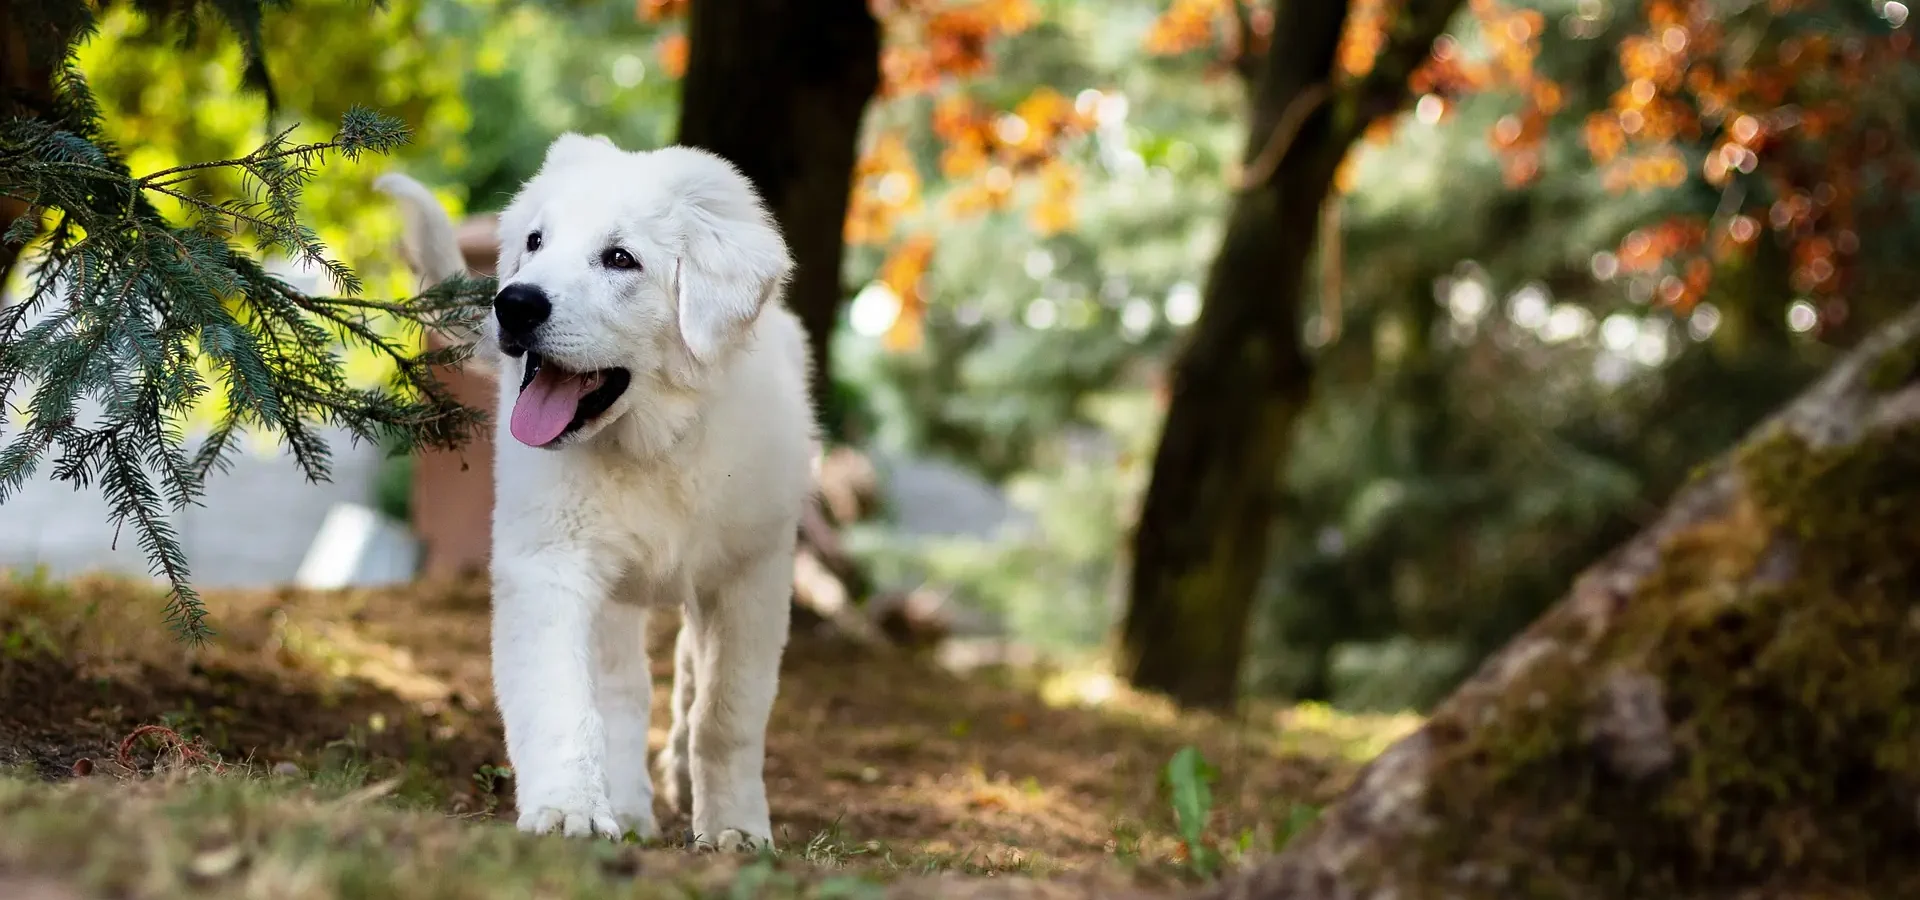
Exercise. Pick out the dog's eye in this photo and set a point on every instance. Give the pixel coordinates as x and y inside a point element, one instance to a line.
<point>533,241</point>
<point>616,258</point>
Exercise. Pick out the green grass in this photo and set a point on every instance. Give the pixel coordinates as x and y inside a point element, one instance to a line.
<point>198,836</point>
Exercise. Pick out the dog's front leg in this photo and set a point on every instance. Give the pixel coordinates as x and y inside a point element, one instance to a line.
<point>740,631</point>
<point>544,607</point>
<point>625,689</point>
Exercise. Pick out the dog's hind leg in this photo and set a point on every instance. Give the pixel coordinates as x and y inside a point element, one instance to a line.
<point>741,632</point>
<point>676,768</point>
<point>623,690</point>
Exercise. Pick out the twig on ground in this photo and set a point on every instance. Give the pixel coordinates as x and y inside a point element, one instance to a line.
<point>185,750</point>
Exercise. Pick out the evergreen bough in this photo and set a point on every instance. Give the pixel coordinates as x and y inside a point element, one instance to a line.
<point>129,302</point>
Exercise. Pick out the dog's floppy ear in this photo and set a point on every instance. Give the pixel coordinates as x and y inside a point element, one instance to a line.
<point>733,259</point>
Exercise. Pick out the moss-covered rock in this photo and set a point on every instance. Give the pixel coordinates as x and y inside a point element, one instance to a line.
<point>1724,707</point>
<point>1746,720</point>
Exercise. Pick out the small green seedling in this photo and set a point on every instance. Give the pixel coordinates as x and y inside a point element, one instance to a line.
<point>1299,817</point>
<point>1190,778</point>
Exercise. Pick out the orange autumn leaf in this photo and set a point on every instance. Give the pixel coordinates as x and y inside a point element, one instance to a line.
<point>1512,36</point>
<point>986,800</point>
<point>925,41</point>
<point>957,42</point>
<point>1605,138</point>
<point>906,71</point>
<point>948,40</point>
<point>1379,132</point>
<point>1364,38</point>
<point>1012,16</point>
<point>1344,174</point>
<point>964,157</point>
<point>1187,25</point>
<point>886,186</point>
<point>985,152</point>
<point>1047,111</point>
<point>989,193</point>
<point>957,117</point>
<point>1547,96</point>
<point>938,46</point>
<point>906,334</point>
<point>1053,212</point>
<point>1519,169</point>
<point>659,10</point>
<point>906,264</point>
<point>1785,116</point>
<point>903,273</point>
<point>672,51</point>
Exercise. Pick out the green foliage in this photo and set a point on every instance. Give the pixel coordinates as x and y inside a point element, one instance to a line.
<point>1049,577</point>
<point>144,315</point>
<point>170,97</point>
<point>1190,779</point>
<point>534,70</point>
<point>1021,328</point>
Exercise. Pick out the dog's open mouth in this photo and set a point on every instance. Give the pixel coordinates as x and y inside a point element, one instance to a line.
<point>555,402</point>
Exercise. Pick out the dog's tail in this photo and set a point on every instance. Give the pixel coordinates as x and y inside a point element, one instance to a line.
<point>427,236</point>
<point>431,246</point>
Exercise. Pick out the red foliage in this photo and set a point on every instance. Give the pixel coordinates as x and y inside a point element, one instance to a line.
<point>1782,119</point>
<point>1789,114</point>
<point>939,48</point>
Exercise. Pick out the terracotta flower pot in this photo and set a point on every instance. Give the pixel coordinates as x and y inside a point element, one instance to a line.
<point>452,497</point>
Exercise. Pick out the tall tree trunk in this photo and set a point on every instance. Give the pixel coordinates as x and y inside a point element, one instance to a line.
<point>780,89</point>
<point>1200,546</point>
<point>1723,707</point>
<point>32,43</point>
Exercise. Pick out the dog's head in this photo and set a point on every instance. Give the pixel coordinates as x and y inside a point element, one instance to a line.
<point>620,267</point>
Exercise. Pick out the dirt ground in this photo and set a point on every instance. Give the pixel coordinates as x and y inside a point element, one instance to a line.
<point>1018,772</point>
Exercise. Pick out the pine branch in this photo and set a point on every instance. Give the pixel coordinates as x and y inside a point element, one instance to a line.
<point>124,305</point>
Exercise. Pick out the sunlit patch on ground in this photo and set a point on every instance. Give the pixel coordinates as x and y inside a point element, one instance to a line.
<point>1317,730</point>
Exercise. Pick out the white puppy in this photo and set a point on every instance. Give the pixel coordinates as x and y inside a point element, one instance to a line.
<point>654,447</point>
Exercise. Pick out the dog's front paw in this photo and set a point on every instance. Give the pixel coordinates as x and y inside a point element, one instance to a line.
<point>733,839</point>
<point>573,817</point>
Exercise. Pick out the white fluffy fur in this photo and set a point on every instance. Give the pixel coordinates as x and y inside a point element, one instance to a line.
<point>688,492</point>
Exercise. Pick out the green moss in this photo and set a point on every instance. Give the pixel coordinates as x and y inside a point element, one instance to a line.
<point>1786,633</point>
<point>1895,368</point>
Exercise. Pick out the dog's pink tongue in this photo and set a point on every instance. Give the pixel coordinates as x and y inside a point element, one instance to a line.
<point>546,405</point>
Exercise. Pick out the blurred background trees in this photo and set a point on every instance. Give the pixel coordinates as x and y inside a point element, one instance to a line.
<point>1575,248</point>
<point>1201,542</point>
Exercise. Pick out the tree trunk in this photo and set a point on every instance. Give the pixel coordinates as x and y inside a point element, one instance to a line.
<point>1200,546</point>
<point>32,43</point>
<point>780,89</point>
<point>1722,707</point>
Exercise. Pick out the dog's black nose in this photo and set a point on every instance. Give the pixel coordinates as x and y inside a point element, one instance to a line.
<point>521,308</point>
